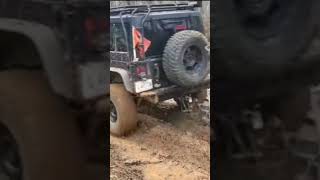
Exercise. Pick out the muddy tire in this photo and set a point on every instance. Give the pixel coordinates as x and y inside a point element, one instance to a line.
<point>186,61</point>
<point>123,111</point>
<point>44,130</point>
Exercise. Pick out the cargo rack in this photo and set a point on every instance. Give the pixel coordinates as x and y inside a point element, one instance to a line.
<point>153,8</point>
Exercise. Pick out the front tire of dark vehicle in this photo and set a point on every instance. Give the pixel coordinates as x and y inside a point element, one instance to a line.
<point>186,61</point>
<point>47,138</point>
<point>123,111</point>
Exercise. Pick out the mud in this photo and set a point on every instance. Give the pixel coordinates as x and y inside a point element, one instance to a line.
<point>166,145</point>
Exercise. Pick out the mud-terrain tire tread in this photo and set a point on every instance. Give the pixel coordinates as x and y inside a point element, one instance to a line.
<point>126,110</point>
<point>172,57</point>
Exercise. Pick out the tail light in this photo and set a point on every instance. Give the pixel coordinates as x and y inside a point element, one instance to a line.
<point>141,71</point>
<point>95,33</point>
<point>180,27</point>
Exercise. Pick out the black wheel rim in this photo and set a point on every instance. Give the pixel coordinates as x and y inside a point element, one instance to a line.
<point>193,60</point>
<point>113,113</point>
<point>10,162</point>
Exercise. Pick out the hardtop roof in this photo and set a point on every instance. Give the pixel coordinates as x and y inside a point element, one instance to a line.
<point>155,10</point>
<point>158,15</point>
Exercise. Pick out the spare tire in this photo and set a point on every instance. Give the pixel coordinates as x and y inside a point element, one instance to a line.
<point>259,38</point>
<point>186,61</point>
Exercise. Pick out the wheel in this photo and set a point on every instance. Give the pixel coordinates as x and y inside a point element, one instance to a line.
<point>44,133</point>
<point>259,38</point>
<point>123,111</point>
<point>186,61</point>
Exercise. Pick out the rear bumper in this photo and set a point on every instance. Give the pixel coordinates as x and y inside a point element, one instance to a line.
<point>166,93</point>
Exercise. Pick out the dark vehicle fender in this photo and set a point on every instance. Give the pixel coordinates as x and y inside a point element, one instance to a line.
<point>49,49</point>
<point>124,77</point>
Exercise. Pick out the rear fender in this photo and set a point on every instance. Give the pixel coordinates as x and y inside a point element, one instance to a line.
<point>125,78</point>
<point>50,52</point>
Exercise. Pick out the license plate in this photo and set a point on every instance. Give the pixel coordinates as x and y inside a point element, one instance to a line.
<point>141,86</point>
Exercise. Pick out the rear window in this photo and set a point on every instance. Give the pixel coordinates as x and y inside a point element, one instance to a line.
<point>159,32</point>
<point>117,37</point>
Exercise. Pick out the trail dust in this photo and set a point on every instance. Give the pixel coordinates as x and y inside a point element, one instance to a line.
<point>168,145</point>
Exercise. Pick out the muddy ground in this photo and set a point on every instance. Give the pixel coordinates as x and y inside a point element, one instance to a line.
<point>166,145</point>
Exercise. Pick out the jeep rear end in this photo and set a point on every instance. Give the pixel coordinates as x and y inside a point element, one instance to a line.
<point>139,36</point>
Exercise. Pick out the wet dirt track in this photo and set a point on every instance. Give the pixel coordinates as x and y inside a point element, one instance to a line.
<point>167,145</point>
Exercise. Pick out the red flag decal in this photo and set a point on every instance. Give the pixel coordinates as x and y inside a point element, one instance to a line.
<point>136,40</point>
